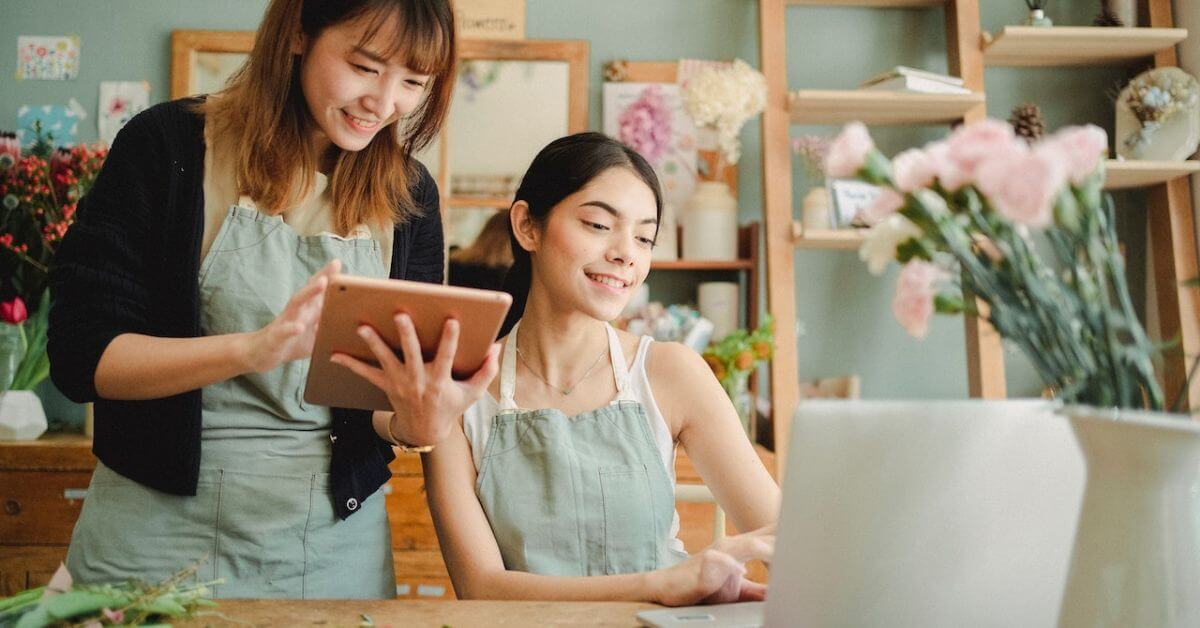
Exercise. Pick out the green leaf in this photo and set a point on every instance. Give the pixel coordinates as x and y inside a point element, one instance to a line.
<point>75,603</point>
<point>164,605</point>
<point>36,618</point>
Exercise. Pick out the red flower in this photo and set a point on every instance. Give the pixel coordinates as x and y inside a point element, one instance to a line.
<point>13,312</point>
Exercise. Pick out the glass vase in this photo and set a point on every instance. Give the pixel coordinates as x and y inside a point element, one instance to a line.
<point>12,348</point>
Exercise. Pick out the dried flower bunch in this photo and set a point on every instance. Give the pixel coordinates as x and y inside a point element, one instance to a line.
<point>812,150</point>
<point>1157,95</point>
<point>958,215</point>
<point>724,99</point>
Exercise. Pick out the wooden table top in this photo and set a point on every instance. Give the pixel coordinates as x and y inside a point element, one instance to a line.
<point>417,613</point>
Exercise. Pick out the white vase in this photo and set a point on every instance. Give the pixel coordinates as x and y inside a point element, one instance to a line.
<point>1136,559</point>
<point>815,211</point>
<point>710,229</point>
<point>21,415</point>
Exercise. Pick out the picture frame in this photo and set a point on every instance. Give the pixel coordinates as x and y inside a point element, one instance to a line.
<point>848,198</point>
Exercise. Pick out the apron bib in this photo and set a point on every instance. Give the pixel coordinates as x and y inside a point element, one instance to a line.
<point>581,495</point>
<point>263,514</point>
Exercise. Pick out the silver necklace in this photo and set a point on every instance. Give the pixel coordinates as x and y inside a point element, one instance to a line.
<point>562,391</point>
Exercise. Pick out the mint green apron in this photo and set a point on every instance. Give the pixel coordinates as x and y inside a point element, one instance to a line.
<point>263,514</point>
<point>583,495</point>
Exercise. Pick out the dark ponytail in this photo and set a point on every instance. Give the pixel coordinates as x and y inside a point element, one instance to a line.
<point>561,169</point>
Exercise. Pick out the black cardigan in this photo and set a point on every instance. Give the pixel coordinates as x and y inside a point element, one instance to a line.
<point>130,264</point>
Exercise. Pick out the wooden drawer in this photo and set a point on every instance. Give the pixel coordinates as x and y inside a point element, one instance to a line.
<point>26,567</point>
<point>40,507</point>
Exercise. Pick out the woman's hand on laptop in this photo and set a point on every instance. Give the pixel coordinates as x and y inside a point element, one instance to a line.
<point>425,397</point>
<point>717,575</point>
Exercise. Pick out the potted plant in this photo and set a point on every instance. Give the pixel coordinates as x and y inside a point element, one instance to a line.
<point>960,215</point>
<point>734,358</point>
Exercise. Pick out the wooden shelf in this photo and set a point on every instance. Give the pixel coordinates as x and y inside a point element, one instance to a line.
<point>881,4</point>
<point>472,202</point>
<point>702,264</point>
<point>1076,45</point>
<point>1121,175</point>
<point>810,106</point>
<point>828,239</point>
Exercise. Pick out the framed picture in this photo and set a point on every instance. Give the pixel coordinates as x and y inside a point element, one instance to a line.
<point>848,198</point>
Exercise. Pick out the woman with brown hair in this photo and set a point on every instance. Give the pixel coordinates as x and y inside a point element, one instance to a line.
<point>484,263</point>
<point>187,294</point>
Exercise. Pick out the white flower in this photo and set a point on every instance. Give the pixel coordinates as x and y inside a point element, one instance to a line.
<point>724,99</point>
<point>880,246</point>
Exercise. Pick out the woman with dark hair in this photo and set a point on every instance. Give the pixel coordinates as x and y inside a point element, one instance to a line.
<point>186,297</point>
<point>560,484</point>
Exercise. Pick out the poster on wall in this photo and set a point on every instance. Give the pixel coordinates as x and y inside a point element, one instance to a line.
<point>47,58</point>
<point>490,19</point>
<point>119,102</point>
<point>59,123</point>
<point>650,118</point>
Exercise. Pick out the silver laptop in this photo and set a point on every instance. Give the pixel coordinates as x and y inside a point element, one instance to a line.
<point>922,514</point>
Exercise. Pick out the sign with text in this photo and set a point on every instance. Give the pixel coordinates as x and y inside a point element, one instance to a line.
<point>490,19</point>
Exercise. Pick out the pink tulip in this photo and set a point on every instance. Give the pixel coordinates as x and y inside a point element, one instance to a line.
<point>13,312</point>
<point>915,290</point>
<point>887,203</point>
<point>1080,148</point>
<point>849,151</point>
<point>913,169</point>
<point>1023,185</point>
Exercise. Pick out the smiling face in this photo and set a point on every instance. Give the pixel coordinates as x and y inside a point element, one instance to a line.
<point>353,91</point>
<point>593,251</point>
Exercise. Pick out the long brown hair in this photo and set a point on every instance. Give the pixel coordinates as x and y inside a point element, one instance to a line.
<point>264,119</point>
<point>490,247</point>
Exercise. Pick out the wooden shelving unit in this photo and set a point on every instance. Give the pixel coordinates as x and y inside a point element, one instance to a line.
<point>818,106</point>
<point>1123,175</point>
<point>1033,46</point>
<point>1169,206</point>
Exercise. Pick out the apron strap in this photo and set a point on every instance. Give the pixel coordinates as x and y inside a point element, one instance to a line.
<point>508,372</point>
<point>617,357</point>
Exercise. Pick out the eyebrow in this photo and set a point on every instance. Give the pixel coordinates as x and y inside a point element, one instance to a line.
<point>616,214</point>
<point>370,55</point>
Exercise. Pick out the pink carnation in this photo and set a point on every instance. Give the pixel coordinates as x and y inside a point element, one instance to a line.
<point>645,126</point>
<point>948,173</point>
<point>913,169</point>
<point>887,203</point>
<point>915,290</point>
<point>972,144</point>
<point>1022,186</point>
<point>1080,148</point>
<point>849,151</point>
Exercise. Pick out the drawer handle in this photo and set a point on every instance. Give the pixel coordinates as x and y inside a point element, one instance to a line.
<point>12,507</point>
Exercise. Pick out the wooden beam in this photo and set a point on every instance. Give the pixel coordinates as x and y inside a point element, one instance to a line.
<point>964,55</point>
<point>777,223</point>
<point>1173,245</point>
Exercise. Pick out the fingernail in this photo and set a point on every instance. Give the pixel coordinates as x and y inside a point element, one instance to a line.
<point>364,332</point>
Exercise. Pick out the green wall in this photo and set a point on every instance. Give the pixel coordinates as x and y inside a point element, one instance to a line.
<point>844,311</point>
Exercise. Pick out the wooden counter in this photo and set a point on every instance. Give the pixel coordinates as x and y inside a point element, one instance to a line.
<point>418,613</point>
<point>43,483</point>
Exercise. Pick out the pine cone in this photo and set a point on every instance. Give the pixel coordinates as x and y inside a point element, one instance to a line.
<point>1107,18</point>
<point>1027,121</point>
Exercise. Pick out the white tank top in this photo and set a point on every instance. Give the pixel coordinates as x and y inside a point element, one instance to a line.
<point>477,420</point>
